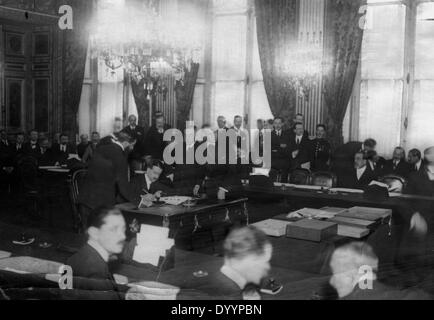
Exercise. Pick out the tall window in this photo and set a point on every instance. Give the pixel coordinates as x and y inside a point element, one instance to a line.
<point>396,85</point>
<point>421,116</point>
<point>237,85</point>
<point>382,74</point>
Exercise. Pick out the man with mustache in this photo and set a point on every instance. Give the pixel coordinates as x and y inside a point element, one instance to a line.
<point>106,238</point>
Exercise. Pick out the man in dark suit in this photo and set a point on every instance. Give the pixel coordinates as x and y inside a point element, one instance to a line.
<point>154,143</point>
<point>44,154</point>
<point>299,147</point>
<point>137,133</point>
<point>415,160</point>
<point>343,156</point>
<point>31,146</point>
<point>6,161</point>
<point>83,145</point>
<point>107,182</point>
<point>106,238</point>
<point>62,150</point>
<point>320,152</point>
<point>299,118</point>
<point>247,255</point>
<point>354,267</point>
<point>147,186</point>
<point>18,146</point>
<point>280,154</point>
<point>360,176</point>
<point>398,165</point>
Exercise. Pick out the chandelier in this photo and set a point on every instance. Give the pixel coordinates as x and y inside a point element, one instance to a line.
<point>147,43</point>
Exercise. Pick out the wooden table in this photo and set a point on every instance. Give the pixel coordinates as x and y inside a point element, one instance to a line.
<point>202,225</point>
<point>298,285</point>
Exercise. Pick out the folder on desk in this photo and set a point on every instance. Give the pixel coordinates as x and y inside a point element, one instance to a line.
<point>273,227</point>
<point>365,213</point>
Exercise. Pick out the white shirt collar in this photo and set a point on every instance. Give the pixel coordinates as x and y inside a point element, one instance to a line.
<point>360,172</point>
<point>234,276</point>
<point>101,251</point>
<point>119,144</point>
<point>148,181</point>
<point>418,164</point>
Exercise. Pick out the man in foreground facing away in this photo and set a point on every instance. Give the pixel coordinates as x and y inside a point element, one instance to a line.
<point>247,255</point>
<point>354,267</point>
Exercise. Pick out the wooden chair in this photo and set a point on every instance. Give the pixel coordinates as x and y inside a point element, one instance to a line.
<point>300,176</point>
<point>75,184</point>
<point>395,182</point>
<point>324,179</point>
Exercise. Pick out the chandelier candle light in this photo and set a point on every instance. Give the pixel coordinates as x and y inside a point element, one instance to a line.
<point>147,43</point>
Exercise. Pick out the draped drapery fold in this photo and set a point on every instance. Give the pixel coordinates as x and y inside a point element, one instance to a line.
<point>277,31</point>
<point>184,95</point>
<point>75,48</point>
<point>343,43</point>
<point>141,99</point>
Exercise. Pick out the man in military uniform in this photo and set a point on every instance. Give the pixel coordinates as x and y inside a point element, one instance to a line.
<point>320,150</point>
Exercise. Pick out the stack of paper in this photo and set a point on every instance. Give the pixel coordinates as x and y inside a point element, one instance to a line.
<point>352,232</point>
<point>273,228</point>
<point>152,243</point>
<point>175,200</point>
<point>312,213</point>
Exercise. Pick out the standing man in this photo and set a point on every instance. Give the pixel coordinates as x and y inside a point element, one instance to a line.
<point>299,118</point>
<point>154,142</point>
<point>320,150</point>
<point>280,154</point>
<point>137,133</point>
<point>107,180</point>
<point>299,148</point>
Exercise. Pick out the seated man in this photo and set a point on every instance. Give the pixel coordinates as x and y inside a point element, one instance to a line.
<point>91,264</point>
<point>398,165</point>
<point>146,186</point>
<point>106,232</point>
<point>62,150</point>
<point>83,145</point>
<point>354,267</point>
<point>415,160</point>
<point>360,176</point>
<point>247,254</point>
<point>44,155</point>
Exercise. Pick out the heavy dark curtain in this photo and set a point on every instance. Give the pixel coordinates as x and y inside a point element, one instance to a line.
<point>277,26</point>
<point>74,60</point>
<point>142,102</point>
<point>343,42</point>
<point>184,95</point>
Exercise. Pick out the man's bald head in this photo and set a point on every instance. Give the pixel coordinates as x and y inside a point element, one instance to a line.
<point>429,156</point>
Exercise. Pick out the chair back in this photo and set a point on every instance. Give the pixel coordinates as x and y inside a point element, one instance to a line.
<point>324,179</point>
<point>300,176</point>
<point>395,182</point>
<point>76,182</point>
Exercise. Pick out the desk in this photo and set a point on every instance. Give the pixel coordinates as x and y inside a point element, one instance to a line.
<point>208,222</point>
<point>298,285</point>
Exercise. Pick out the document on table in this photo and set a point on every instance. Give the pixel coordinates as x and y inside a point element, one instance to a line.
<point>152,243</point>
<point>312,213</point>
<point>175,200</point>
